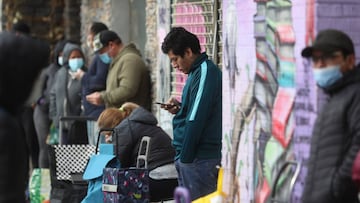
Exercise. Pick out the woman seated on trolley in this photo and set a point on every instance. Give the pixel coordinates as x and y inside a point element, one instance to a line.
<point>131,123</point>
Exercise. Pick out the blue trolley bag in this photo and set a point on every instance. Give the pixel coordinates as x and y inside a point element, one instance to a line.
<point>103,157</point>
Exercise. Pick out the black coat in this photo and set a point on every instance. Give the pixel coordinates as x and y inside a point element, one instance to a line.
<point>21,59</point>
<point>129,134</point>
<point>334,144</point>
<point>13,159</point>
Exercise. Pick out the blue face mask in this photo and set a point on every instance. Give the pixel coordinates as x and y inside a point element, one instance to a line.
<point>60,60</point>
<point>75,64</point>
<point>327,76</point>
<point>105,58</point>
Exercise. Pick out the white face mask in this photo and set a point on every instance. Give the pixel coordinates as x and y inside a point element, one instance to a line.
<point>75,64</point>
<point>61,60</point>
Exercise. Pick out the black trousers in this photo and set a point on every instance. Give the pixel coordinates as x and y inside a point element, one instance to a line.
<point>162,189</point>
<point>27,122</point>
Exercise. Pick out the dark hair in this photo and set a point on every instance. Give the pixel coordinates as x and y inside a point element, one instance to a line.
<point>178,40</point>
<point>21,27</point>
<point>97,27</point>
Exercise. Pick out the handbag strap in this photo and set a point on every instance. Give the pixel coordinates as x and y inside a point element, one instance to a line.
<point>112,130</point>
<point>144,141</point>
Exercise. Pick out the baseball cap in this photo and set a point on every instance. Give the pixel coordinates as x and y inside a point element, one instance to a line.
<point>329,41</point>
<point>103,38</point>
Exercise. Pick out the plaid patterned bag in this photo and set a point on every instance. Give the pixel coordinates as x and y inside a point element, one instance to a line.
<point>126,185</point>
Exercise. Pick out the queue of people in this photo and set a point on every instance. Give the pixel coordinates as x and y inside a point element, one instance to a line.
<point>116,90</point>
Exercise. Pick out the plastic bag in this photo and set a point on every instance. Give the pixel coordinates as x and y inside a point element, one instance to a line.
<point>39,186</point>
<point>53,137</point>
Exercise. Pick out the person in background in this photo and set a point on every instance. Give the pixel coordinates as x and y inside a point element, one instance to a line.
<point>197,125</point>
<point>65,94</point>
<point>21,28</point>
<point>131,123</point>
<point>95,78</point>
<point>41,112</point>
<point>128,77</point>
<point>335,139</point>
<point>18,72</point>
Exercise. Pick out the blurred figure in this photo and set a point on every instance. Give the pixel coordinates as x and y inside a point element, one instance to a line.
<point>41,113</point>
<point>131,123</point>
<point>95,78</point>
<point>21,28</point>
<point>128,78</point>
<point>21,58</point>
<point>336,135</point>
<point>65,95</point>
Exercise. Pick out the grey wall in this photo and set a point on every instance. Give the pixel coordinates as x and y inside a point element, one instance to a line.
<point>128,20</point>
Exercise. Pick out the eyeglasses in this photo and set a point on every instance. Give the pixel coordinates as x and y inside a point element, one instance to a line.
<point>326,57</point>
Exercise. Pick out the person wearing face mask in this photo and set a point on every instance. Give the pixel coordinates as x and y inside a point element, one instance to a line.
<point>336,135</point>
<point>128,77</point>
<point>41,112</point>
<point>65,95</point>
<point>95,78</point>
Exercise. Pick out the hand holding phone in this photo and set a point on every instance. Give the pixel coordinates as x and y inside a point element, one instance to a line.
<point>172,105</point>
<point>165,105</point>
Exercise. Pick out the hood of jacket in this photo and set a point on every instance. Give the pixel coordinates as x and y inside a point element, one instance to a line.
<point>142,115</point>
<point>59,47</point>
<point>353,76</point>
<point>69,47</point>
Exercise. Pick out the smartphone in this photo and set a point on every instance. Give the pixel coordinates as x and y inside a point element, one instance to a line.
<point>160,103</point>
<point>167,105</point>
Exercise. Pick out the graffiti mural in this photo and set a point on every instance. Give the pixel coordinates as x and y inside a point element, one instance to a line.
<point>163,81</point>
<point>268,94</point>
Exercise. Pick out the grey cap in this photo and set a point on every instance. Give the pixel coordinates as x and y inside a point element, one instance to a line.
<point>103,38</point>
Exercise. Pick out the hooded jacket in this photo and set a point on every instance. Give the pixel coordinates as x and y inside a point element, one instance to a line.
<point>335,143</point>
<point>65,95</point>
<point>128,80</point>
<point>129,134</point>
<point>47,77</point>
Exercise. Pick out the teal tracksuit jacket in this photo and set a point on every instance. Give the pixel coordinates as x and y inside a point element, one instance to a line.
<point>198,124</point>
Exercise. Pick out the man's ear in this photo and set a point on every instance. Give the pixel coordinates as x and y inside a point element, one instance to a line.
<point>350,61</point>
<point>188,52</point>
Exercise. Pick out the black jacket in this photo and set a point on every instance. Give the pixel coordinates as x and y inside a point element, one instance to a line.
<point>129,134</point>
<point>334,144</point>
<point>21,59</point>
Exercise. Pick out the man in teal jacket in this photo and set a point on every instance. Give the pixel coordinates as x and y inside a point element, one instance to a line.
<point>198,120</point>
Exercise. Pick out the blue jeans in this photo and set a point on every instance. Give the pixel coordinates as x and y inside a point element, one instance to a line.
<point>199,177</point>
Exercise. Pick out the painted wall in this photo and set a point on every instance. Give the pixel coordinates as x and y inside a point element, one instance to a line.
<point>270,100</point>
<point>162,69</point>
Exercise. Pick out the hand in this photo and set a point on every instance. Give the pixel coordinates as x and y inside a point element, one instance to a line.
<point>172,105</point>
<point>79,74</point>
<point>94,98</point>
<point>108,138</point>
